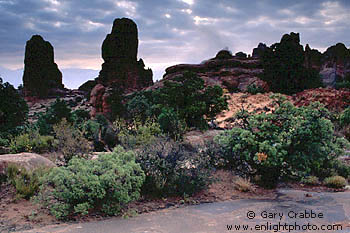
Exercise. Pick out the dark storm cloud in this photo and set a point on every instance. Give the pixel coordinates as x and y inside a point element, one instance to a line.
<point>170,31</point>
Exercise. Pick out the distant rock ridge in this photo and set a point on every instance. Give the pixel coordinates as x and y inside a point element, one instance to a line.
<point>333,65</point>
<point>234,73</point>
<point>41,76</point>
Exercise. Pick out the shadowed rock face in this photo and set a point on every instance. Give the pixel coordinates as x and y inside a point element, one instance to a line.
<point>120,69</point>
<point>258,51</point>
<point>119,51</point>
<point>122,43</point>
<point>41,73</point>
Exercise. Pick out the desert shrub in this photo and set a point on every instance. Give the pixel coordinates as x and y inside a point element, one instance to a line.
<point>310,180</point>
<point>218,156</point>
<point>290,142</point>
<point>53,115</point>
<point>101,132</point>
<point>13,108</point>
<point>4,141</point>
<point>171,124</point>
<point>134,134</point>
<point>140,106</point>
<point>243,185</point>
<point>335,182</point>
<point>172,168</point>
<point>79,117</point>
<point>339,168</point>
<point>26,182</point>
<point>70,141</point>
<point>254,89</point>
<point>105,184</point>
<point>344,118</point>
<point>31,142</point>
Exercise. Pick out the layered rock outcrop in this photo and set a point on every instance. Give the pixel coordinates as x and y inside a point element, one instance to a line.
<point>335,65</point>
<point>234,73</point>
<point>120,68</point>
<point>41,76</point>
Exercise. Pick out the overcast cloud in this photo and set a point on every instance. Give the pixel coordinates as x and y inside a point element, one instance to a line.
<point>170,31</point>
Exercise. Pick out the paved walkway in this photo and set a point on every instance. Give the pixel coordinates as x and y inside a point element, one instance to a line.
<point>292,211</point>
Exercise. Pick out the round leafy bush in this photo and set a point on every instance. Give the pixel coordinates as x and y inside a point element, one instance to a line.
<point>290,142</point>
<point>172,168</point>
<point>105,184</point>
<point>335,182</point>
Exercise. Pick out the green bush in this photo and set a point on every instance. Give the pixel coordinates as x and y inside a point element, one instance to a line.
<point>335,182</point>
<point>79,117</point>
<point>254,89</point>
<point>31,142</point>
<point>105,184</point>
<point>344,118</point>
<point>54,114</point>
<point>70,141</point>
<point>4,142</point>
<point>172,168</point>
<point>290,142</point>
<point>171,124</point>
<point>25,182</point>
<point>135,134</point>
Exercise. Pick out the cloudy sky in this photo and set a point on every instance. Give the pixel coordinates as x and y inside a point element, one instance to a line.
<point>170,31</point>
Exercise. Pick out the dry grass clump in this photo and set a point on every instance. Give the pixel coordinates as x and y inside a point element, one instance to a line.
<point>243,185</point>
<point>311,180</point>
<point>335,182</point>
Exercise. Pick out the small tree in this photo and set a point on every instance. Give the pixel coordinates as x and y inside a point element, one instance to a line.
<point>190,99</point>
<point>70,141</point>
<point>13,108</point>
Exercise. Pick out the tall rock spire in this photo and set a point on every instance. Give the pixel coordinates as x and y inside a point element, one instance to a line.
<point>41,73</point>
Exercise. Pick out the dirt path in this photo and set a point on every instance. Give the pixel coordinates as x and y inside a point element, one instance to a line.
<point>301,210</point>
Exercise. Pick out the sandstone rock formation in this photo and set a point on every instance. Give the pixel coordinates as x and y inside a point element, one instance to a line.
<point>30,161</point>
<point>257,52</point>
<point>333,64</point>
<point>119,52</point>
<point>120,68</point>
<point>41,75</point>
<point>336,64</point>
<point>98,100</point>
<point>230,72</point>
